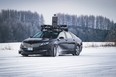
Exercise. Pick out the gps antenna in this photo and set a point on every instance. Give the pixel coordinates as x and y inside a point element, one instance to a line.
<point>54,20</point>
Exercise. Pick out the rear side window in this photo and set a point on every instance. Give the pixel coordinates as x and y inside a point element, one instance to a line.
<point>74,36</point>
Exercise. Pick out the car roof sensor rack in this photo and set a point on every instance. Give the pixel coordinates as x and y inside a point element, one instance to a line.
<point>64,27</point>
<point>51,28</point>
<point>54,27</point>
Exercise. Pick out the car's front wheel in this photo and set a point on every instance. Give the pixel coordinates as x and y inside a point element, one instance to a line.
<point>54,51</point>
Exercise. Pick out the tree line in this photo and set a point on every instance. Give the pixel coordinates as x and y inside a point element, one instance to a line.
<point>18,25</point>
<point>89,27</point>
<point>88,21</point>
<point>15,26</point>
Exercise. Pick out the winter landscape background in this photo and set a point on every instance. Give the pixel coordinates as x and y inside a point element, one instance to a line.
<point>91,20</point>
<point>16,26</point>
<point>94,21</point>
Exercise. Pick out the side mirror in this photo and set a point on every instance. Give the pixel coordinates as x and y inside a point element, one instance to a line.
<point>30,36</point>
<point>61,37</point>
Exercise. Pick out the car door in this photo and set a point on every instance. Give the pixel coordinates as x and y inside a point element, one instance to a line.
<point>66,41</point>
<point>70,42</point>
<point>62,41</point>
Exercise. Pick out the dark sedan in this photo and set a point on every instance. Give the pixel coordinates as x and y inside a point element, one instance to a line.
<point>51,44</point>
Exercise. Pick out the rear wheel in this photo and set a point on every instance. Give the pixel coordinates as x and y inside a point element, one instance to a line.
<point>77,51</point>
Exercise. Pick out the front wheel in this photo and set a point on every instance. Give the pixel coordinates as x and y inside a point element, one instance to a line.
<point>54,51</point>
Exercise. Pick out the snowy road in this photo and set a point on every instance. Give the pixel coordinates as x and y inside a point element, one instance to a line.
<point>93,62</point>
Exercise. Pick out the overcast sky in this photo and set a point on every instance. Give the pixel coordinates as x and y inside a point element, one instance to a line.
<point>106,8</point>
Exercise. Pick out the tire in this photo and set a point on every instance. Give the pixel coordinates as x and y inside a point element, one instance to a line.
<point>54,51</point>
<point>46,53</point>
<point>77,51</point>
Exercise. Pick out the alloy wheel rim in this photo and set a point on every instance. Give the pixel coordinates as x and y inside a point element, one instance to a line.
<point>77,50</point>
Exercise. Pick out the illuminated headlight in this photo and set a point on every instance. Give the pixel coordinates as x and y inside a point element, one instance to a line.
<point>45,43</point>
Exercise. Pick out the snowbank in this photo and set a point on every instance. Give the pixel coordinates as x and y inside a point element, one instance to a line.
<point>10,46</point>
<point>16,46</point>
<point>98,44</point>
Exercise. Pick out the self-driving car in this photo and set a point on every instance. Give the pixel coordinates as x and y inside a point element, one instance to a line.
<point>51,44</point>
<point>53,40</point>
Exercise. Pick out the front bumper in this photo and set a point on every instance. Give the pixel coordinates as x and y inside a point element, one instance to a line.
<point>35,50</point>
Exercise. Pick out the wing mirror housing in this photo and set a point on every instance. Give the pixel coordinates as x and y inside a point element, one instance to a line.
<point>61,37</point>
<point>30,36</point>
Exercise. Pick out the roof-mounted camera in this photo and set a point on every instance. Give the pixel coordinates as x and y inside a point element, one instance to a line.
<point>54,27</point>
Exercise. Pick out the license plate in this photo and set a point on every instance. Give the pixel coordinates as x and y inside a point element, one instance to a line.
<point>30,49</point>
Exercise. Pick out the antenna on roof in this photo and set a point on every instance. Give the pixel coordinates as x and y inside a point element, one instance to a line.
<point>54,20</point>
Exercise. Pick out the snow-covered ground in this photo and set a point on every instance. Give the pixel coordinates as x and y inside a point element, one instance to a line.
<point>16,46</point>
<point>98,44</point>
<point>10,46</point>
<point>93,62</point>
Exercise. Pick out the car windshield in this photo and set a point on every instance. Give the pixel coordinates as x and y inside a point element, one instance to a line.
<point>46,35</point>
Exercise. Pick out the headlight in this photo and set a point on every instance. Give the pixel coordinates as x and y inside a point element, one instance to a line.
<point>45,43</point>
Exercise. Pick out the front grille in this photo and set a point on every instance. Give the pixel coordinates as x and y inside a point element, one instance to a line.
<point>32,45</point>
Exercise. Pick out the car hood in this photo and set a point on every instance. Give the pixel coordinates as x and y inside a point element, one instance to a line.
<point>35,40</point>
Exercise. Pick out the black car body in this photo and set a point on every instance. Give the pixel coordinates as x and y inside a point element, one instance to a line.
<point>51,44</point>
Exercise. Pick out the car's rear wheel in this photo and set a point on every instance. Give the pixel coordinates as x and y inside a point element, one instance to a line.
<point>77,51</point>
